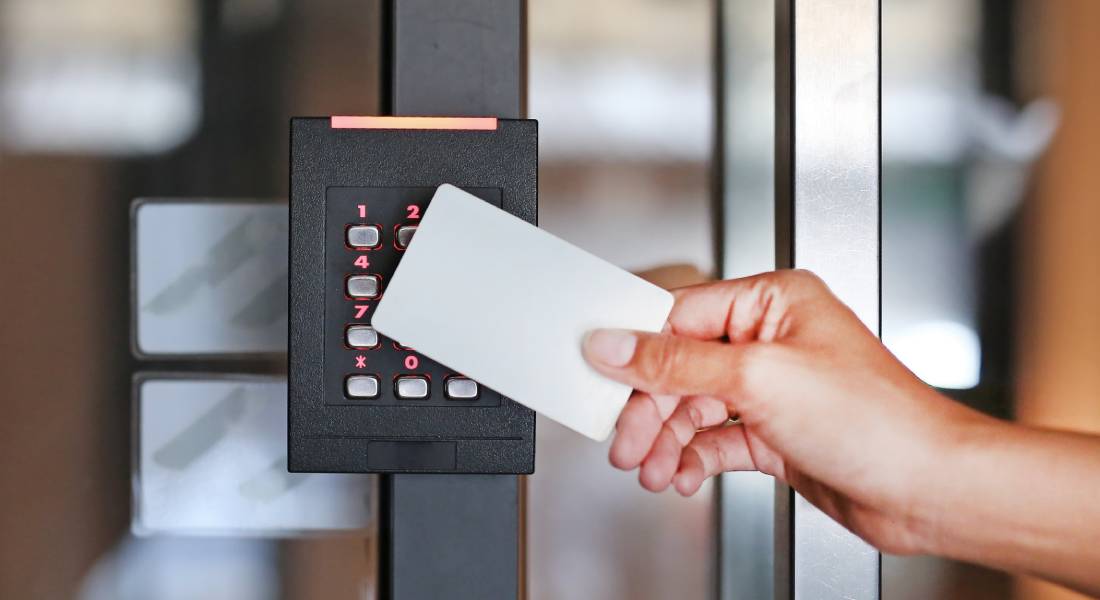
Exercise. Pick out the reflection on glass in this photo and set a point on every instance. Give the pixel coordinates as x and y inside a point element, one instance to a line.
<point>211,460</point>
<point>210,277</point>
<point>955,161</point>
<point>184,569</point>
<point>622,93</point>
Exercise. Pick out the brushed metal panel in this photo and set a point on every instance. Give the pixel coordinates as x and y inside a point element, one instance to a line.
<point>827,209</point>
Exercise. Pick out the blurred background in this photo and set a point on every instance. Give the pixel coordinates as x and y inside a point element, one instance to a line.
<point>991,134</point>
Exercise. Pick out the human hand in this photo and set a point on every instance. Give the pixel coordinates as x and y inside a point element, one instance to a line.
<point>822,404</point>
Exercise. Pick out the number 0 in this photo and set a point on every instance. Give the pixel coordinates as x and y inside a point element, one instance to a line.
<point>411,362</point>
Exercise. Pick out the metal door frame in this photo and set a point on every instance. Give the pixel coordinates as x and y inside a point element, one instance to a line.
<point>827,204</point>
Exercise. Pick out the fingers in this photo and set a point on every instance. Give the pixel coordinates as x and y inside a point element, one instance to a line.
<point>744,309</point>
<point>649,431</point>
<point>663,461</point>
<point>706,311</point>
<point>695,413</point>
<point>712,452</point>
<point>666,364</point>
<point>693,360</point>
<point>638,426</point>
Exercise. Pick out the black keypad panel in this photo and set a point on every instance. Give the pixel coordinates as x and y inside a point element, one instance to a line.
<point>366,232</point>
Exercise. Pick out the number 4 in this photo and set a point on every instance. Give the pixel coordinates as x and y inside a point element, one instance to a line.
<point>362,261</point>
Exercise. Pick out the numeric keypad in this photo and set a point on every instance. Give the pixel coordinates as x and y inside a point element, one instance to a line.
<point>370,230</point>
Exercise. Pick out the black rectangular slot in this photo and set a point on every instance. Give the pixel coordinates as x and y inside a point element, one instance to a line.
<point>411,456</point>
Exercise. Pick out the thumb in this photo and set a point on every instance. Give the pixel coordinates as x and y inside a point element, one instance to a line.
<point>666,364</point>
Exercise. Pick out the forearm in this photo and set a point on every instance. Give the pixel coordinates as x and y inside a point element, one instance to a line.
<point>1021,499</point>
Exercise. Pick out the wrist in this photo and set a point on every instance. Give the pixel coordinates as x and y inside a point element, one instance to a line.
<point>960,465</point>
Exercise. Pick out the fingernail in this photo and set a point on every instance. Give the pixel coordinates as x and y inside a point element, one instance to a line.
<point>612,347</point>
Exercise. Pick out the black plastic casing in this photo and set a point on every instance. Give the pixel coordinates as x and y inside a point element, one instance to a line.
<point>327,432</point>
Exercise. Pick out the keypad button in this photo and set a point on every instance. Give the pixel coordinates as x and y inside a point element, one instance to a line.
<point>412,387</point>
<point>361,386</point>
<point>405,235</point>
<point>461,388</point>
<point>363,286</point>
<point>364,236</point>
<point>361,336</point>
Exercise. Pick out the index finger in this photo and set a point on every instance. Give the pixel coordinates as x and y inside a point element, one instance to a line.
<point>732,308</point>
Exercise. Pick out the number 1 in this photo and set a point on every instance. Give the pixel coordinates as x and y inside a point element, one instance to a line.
<point>362,211</point>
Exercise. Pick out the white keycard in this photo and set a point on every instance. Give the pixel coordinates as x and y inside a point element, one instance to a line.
<point>503,302</point>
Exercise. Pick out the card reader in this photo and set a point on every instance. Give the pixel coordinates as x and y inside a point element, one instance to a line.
<point>357,401</point>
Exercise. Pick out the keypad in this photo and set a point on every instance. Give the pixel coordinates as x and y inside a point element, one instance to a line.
<point>413,387</point>
<point>364,286</point>
<point>404,235</point>
<point>461,388</point>
<point>362,386</point>
<point>364,236</point>
<point>361,337</point>
<point>367,232</point>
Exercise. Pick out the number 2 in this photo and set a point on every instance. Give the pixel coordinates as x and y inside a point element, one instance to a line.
<point>414,211</point>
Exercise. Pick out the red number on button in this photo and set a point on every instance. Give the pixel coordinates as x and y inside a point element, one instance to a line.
<point>414,211</point>
<point>362,262</point>
<point>362,211</point>
<point>411,362</point>
<point>360,310</point>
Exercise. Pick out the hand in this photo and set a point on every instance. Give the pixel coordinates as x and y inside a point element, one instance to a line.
<point>822,404</point>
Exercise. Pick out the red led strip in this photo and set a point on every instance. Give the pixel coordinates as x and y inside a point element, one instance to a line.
<point>463,123</point>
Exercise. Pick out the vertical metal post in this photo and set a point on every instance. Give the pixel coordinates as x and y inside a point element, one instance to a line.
<point>745,193</point>
<point>453,536</point>
<point>827,220</point>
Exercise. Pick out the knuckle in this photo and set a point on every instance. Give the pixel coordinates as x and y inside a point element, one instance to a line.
<point>804,281</point>
<point>695,417</point>
<point>681,434</point>
<point>804,276</point>
<point>722,458</point>
<point>664,359</point>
